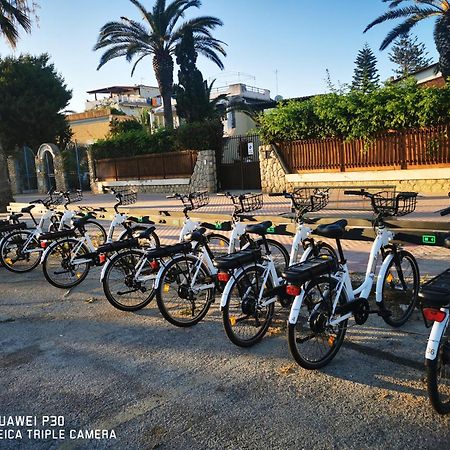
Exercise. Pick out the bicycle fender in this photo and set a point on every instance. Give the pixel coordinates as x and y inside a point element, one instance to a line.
<point>230,284</point>
<point>47,250</point>
<point>379,287</point>
<point>158,277</point>
<point>435,337</point>
<point>103,272</point>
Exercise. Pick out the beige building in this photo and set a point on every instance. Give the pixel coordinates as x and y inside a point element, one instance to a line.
<point>90,126</point>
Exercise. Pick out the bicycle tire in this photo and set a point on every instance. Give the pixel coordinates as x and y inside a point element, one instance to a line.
<point>218,244</point>
<point>10,257</point>
<point>244,306</point>
<point>125,262</point>
<point>435,370</point>
<point>96,232</point>
<point>171,290</point>
<point>315,313</point>
<point>58,258</point>
<point>278,251</point>
<point>392,300</point>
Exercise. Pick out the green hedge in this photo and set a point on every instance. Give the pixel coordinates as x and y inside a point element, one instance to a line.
<point>194,136</point>
<point>354,114</point>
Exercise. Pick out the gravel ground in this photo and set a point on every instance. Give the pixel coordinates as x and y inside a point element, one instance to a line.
<point>155,385</point>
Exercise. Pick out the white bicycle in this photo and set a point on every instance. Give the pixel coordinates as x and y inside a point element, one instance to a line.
<point>253,281</point>
<point>324,296</point>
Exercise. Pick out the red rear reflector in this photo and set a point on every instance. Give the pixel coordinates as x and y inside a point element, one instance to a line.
<point>291,289</point>
<point>434,314</point>
<point>223,276</point>
<point>44,244</point>
<point>102,258</point>
<point>154,264</point>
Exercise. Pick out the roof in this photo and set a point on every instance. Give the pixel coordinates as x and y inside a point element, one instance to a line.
<point>117,89</point>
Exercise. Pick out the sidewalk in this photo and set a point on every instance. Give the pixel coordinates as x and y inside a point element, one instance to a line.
<point>432,260</point>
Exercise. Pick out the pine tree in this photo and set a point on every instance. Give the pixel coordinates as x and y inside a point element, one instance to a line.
<point>366,75</point>
<point>409,55</point>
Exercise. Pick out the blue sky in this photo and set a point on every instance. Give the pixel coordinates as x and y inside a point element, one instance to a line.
<point>298,38</point>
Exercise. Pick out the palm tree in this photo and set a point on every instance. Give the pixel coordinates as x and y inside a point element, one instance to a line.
<point>14,14</point>
<point>158,37</point>
<point>421,9</point>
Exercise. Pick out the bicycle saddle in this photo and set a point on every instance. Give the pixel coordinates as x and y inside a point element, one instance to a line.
<point>144,219</point>
<point>260,228</point>
<point>197,235</point>
<point>146,233</point>
<point>27,209</point>
<point>13,218</point>
<point>333,230</point>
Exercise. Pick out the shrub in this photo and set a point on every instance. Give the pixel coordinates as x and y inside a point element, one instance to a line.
<point>355,114</point>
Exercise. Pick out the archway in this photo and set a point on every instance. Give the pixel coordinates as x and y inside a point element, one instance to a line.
<point>50,169</point>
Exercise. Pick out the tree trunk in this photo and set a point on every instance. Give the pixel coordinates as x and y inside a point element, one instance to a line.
<point>442,40</point>
<point>5,187</point>
<point>163,67</point>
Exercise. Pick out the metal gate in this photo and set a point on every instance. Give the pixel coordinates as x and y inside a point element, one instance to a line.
<point>239,165</point>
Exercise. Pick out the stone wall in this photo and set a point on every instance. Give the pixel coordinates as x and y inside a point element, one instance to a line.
<point>276,178</point>
<point>273,172</point>
<point>204,177</point>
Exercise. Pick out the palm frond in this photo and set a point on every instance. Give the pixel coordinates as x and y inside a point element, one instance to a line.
<point>403,28</point>
<point>401,12</point>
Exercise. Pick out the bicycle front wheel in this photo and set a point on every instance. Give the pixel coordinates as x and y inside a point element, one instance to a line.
<point>400,289</point>
<point>185,291</point>
<point>20,251</point>
<point>64,265</point>
<point>312,341</point>
<point>246,315</point>
<point>121,286</point>
<point>438,376</point>
<point>278,251</point>
<point>96,232</point>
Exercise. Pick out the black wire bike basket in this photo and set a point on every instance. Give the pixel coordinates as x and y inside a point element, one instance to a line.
<point>195,200</point>
<point>247,202</point>
<point>390,203</point>
<point>128,196</point>
<point>310,199</point>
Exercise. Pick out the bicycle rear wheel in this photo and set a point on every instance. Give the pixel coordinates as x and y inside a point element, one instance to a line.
<point>184,292</point>
<point>60,265</point>
<point>400,288</point>
<point>120,285</point>
<point>312,342</point>
<point>218,244</point>
<point>245,317</point>
<point>438,376</point>
<point>20,252</point>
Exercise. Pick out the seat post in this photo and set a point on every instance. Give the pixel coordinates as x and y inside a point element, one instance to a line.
<point>340,252</point>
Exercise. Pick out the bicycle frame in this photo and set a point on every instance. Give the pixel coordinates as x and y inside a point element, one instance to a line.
<point>342,276</point>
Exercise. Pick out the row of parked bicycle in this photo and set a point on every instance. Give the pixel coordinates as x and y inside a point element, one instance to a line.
<point>249,270</point>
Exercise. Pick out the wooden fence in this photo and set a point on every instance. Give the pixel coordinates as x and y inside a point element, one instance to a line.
<point>144,167</point>
<point>395,150</point>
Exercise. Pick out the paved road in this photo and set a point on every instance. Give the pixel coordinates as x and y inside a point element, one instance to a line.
<point>154,385</point>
